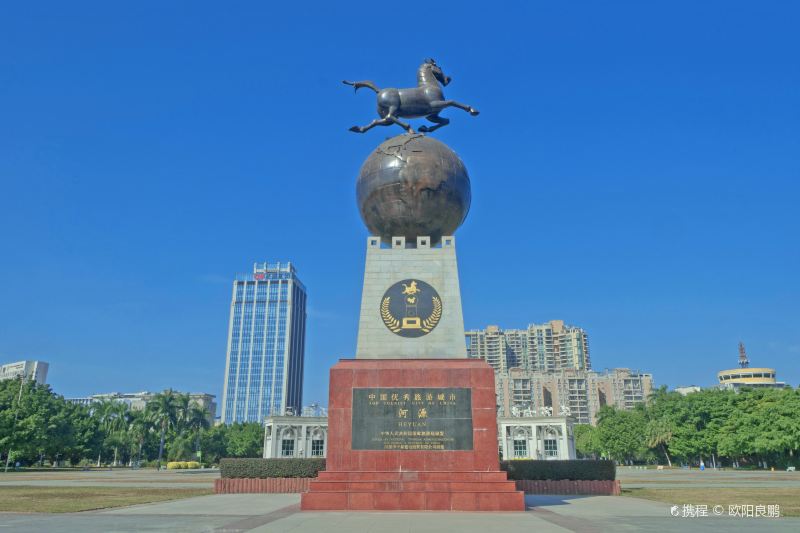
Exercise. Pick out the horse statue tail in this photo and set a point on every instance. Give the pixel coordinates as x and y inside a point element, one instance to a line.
<point>359,84</point>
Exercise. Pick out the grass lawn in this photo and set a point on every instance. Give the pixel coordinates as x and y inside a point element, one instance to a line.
<point>20,499</point>
<point>788,498</point>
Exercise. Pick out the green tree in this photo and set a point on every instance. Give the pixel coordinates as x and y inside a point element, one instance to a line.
<point>139,427</point>
<point>698,420</point>
<point>12,438</point>
<point>762,427</point>
<point>113,417</point>
<point>180,448</point>
<point>245,440</point>
<point>102,413</point>
<point>40,429</point>
<point>658,433</point>
<point>163,413</point>
<point>197,420</point>
<point>586,440</point>
<point>213,442</point>
<point>87,435</point>
<point>621,433</point>
<point>183,405</point>
<point>39,424</point>
<point>663,411</point>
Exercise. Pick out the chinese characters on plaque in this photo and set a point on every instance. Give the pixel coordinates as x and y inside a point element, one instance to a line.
<point>395,418</point>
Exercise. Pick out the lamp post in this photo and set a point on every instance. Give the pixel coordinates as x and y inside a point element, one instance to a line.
<point>16,412</point>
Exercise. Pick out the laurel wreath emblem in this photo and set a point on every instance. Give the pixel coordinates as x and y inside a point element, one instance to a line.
<point>391,322</point>
<point>429,323</point>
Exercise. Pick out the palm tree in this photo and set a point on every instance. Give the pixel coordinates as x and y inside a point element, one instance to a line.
<point>119,418</point>
<point>138,426</point>
<point>113,419</point>
<point>162,411</point>
<point>180,448</point>
<point>182,406</point>
<point>196,422</point>
<point>103,412</point>
<point>659,433</point>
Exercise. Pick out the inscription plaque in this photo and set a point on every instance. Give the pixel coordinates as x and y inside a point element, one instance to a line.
<point>405,418</point>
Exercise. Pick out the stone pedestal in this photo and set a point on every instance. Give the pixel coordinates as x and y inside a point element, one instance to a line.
<point>403,263</point>
<point>412,435</point>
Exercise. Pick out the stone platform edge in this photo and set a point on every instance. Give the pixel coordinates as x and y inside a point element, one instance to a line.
<point>570,486</point>
<point>272,485</point>
<point>284,485</point>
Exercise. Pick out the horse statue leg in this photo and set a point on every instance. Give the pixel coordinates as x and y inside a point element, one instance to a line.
<point>400,123</point>
<point>359,84</point>
<point>376,122</point>
<point>388,120</point>
<point>438,105</point>
<point>440,121</point>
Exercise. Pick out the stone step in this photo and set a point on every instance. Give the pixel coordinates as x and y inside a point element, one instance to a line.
<point>412,486</point>
<point>413,501</point>
<point>411,475</point>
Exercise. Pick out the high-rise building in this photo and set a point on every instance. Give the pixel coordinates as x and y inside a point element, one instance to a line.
<point>266,345</point>
<point>550,346</point>
<point>569,392</point>
<point>31,370</point>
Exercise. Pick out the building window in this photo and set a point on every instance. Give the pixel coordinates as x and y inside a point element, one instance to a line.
<point>287,448</point>
<point>317,448</point>
<point>551,447</point>
<point>520,448</point>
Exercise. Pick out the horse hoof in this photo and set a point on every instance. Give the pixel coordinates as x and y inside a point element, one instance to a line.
<point>357,129</point>
<point>474,112</point>
<point>423,129</point>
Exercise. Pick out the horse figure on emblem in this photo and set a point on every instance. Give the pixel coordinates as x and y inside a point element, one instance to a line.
<point>425,100</point>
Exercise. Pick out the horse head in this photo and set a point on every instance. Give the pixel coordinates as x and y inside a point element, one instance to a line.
<point>436,70</point>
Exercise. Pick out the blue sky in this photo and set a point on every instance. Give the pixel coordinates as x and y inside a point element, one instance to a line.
<point>634,172</point>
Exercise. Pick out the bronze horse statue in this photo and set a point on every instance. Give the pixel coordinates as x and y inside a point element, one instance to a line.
<point>424,100</point>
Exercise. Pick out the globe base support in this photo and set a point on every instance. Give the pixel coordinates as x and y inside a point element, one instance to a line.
<point>411,301</point>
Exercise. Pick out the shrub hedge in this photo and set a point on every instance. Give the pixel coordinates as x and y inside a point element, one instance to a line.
<point>178,465</point>
<point>265,468</point>
<point>554,470</point>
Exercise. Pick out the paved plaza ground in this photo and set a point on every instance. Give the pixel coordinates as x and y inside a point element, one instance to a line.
<point>281,512</point>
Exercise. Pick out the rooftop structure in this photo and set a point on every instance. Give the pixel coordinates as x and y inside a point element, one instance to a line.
<point>138,400</point>
<point>30,370</point>
<point>744,376</point>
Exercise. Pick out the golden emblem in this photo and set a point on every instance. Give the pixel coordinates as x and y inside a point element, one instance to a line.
<point>413,310</point>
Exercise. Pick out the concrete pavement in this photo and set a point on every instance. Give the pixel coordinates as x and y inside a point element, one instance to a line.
<point>189,479</point>
<point>281,512</point>
<point>695,478</point>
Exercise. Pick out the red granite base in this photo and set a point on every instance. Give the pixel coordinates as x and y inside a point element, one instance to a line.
<point>441,480</point>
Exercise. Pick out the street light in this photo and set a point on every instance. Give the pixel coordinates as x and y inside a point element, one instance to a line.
<point>16,412</point>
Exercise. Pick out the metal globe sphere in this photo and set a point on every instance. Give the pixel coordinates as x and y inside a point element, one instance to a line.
<point>413,186</point>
